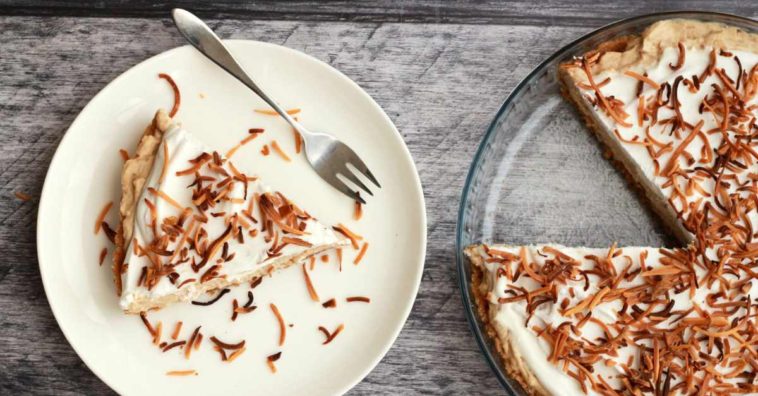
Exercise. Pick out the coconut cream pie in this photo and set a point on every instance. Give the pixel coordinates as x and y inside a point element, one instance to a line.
<point>676,107</point>
<point>191,223</point>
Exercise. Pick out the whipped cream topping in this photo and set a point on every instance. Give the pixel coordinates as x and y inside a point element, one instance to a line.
<point>242,255</point>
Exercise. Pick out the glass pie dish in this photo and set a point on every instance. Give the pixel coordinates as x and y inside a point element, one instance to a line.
<point>540,177</point>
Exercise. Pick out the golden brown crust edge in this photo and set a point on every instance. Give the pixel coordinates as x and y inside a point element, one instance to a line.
<point>133,175</point>
<point>505,347</point>
<point>621,53</point>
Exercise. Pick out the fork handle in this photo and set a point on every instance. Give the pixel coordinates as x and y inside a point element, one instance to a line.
<point>205,40</point>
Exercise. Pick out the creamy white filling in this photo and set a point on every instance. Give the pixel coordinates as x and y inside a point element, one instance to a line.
<point>248,256</point>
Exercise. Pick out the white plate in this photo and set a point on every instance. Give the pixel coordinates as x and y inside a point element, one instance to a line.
<point>84,174</point>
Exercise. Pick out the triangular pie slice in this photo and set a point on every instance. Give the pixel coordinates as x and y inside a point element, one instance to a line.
<point>676,107</point>
<point>192,223</point>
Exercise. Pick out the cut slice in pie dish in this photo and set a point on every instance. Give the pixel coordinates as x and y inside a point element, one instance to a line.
<point>546,307</point>
<point>191,223</point>
<point>676,107</point>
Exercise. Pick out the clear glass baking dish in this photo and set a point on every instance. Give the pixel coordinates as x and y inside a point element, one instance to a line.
<point>540,177</point>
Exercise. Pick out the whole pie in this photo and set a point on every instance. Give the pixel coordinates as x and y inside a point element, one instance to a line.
<point>676,107</point>
<point>193,223</point>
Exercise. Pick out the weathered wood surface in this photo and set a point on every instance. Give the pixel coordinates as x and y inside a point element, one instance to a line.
<point>440,83</point>
<point>519,12</point>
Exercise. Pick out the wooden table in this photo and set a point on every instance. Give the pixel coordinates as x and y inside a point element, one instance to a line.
<point>439,69</point>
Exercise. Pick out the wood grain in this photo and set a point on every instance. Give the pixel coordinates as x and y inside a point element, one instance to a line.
<point>514,12</point>
<point>440,83</point>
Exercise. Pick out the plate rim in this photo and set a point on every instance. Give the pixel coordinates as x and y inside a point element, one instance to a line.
<point>405,152</point>
<point>481,339</point>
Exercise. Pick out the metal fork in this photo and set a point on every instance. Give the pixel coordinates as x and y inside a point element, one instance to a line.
<point>328,156</point>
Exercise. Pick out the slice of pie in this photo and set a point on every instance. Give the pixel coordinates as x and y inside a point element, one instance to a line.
<point>676,106</point>
<point>192,223</point>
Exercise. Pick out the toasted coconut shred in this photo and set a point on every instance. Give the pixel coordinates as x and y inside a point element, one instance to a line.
<point>177,95</point>
<point>358,210</point>
<point>22,196</point>
<point>353,237</point>
<point>109,233</point>
<point>177,330</point>
<point>235,354</point>
<point>358,299</point>
<point>325,332</point>
<point>212,301</point>
<point>190,345</point>
<point>147,324</point>
<point>103,253</point>
<point>279,151</point>
<point>309,284</point>
<point>271,359</point>
<point>101,216</point>
<point>280,320</point>
<point>173,345</point>
<point>166,197</point>
<point>243,142</point>
<point>668,321</point>
<point>330,336</point>
<point>361,253</point>
<point>181,373</point>
<point>158,333</point>
<point>298,140</point>
<point>227,351</point>
<point>244,309</point>
<point>274,113</point>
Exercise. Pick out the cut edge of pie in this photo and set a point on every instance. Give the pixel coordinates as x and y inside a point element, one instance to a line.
<point>612,147</point>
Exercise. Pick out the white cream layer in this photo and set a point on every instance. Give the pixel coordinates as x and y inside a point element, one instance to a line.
<point>248,257</point>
